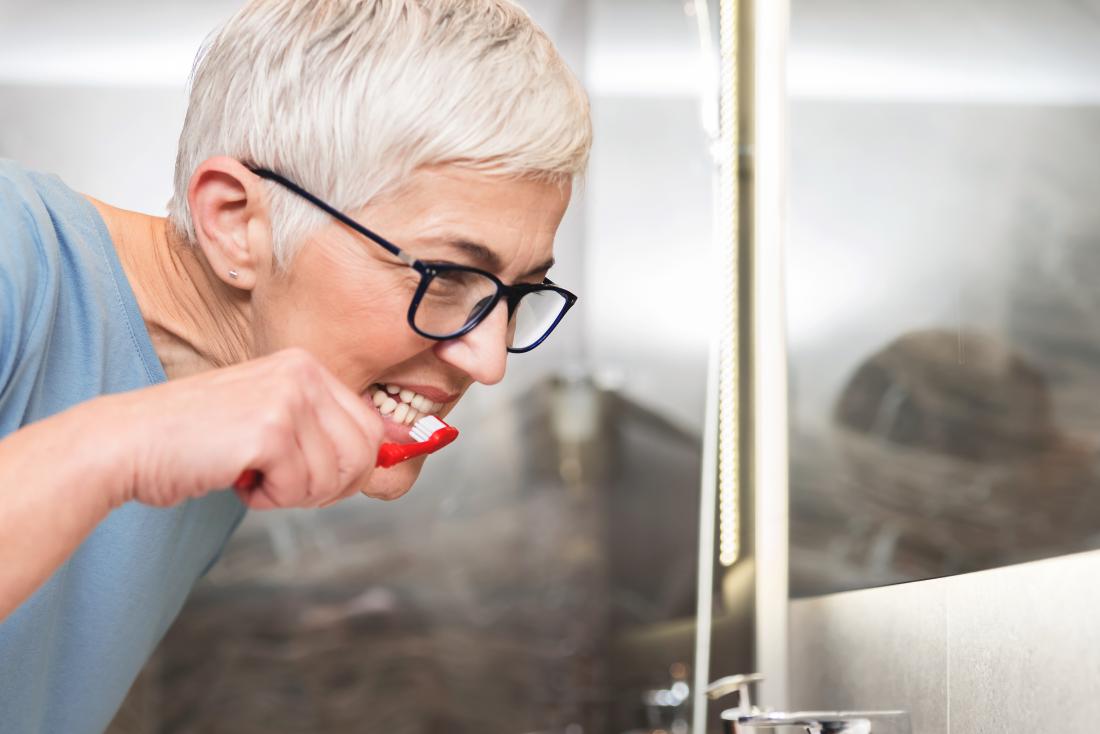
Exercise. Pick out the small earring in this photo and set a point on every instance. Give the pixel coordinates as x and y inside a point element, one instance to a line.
<point>233,274</point>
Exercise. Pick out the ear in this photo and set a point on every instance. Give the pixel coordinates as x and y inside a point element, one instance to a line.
<point>231,221</point>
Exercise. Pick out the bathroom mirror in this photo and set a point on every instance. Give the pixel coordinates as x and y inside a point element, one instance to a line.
<point>541,577</point>
<point>943,313</point>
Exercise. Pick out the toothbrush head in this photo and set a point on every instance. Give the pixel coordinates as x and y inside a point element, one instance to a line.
<point>424,427</point>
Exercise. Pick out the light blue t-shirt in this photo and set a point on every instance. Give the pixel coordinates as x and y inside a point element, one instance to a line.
<point>70,330</point>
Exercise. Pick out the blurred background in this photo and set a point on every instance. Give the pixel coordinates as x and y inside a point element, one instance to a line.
<point>932,231</point>
<point>542,575</point>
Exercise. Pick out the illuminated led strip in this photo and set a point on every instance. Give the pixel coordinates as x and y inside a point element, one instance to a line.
<point>729,410</point>
<point>720,428</point>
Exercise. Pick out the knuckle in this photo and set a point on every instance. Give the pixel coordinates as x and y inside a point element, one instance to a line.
<point>290,395</point>
<point>294,356</point>
<point>278,418</point>
<point>299,363</point>
<point>299,383</point>
<point>276,433</point>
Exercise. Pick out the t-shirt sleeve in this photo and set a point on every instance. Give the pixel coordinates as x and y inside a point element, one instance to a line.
<point>23,268</point>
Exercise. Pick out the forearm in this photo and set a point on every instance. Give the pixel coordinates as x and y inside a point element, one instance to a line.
<point>58,479</point>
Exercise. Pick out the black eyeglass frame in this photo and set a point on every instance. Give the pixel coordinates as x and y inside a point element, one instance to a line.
<point>428,272</point>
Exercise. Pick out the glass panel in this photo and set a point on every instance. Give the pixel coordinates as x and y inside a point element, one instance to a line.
<point>944,354</point>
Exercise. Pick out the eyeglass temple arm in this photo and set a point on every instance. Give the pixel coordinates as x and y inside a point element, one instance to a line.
<point>336,214</point>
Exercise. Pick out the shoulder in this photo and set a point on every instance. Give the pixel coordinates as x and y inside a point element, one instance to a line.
<point>34,208</point>
<point>40,217</point>
<point>27,239</point>
<point>20,193</point>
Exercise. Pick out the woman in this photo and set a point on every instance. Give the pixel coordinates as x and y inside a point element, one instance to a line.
<point>366,198</point>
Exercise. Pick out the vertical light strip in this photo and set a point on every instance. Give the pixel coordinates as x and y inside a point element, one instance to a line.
<point>720,421</point>
<point>769,350</point>
<point>729,403</point>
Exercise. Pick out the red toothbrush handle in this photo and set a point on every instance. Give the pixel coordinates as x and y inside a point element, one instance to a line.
<point>389,454</point>
<point>248,480</point>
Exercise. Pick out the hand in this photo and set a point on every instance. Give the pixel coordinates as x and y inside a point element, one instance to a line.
<point>313,439</point>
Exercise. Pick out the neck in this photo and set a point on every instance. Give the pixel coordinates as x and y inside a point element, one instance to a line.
<point>195,320</point>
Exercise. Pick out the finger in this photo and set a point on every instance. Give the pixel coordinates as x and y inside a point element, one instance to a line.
<point>284,469</point>
<point>334,500</point>
<point>355,486</point>
<point>356,445</point>
<point>361,410</point>
<point>255,498</point>
<point>320,452</point>
<point>359,482</point>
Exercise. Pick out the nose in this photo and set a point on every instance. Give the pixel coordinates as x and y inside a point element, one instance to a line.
<point>482,353</point>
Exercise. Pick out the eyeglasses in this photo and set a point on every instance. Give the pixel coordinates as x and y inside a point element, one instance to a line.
<point>451,300</point>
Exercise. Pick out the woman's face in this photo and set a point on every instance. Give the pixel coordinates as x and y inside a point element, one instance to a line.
<point>346,299</point>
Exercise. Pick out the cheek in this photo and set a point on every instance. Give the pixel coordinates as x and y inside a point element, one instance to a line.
<point>347,296</point>
<point>351,316</point>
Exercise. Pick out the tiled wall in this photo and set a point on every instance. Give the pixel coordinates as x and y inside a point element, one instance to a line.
<point>1013,649</point>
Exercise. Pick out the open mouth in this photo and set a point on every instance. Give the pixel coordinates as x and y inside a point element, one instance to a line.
<point>400,408</point>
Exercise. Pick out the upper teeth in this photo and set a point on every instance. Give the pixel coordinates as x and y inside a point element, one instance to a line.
<point>401,404</point>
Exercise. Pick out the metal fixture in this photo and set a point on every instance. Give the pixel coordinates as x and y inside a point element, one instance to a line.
<point>824,722</point>
<point>735,683</point>
<point>741,685</point>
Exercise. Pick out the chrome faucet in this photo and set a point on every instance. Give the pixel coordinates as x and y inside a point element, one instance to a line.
<point>741,685</point>
<point>828,722</point>
<point>746,717</point>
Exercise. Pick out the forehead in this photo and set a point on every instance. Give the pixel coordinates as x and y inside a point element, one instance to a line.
<point>514,218</point>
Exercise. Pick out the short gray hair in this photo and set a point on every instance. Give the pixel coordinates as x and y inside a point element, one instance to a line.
<point>349,97</point>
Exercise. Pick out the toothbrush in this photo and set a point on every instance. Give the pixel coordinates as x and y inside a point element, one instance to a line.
<point>430,433</point>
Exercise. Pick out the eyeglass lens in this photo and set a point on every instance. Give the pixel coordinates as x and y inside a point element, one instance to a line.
<point>456,298</point>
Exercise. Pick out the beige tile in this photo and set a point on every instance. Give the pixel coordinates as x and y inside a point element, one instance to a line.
<point>875,649</point>
<point>1025,648</point>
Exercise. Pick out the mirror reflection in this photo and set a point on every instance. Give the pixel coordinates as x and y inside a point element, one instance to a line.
<point>944,375</point>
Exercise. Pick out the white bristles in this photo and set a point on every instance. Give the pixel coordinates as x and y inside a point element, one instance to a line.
<point>423,429</point>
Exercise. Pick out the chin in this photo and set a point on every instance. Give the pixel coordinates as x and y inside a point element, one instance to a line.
<point>389,484</point>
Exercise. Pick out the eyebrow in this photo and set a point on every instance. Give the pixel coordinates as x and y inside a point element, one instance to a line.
<point>489,260</point>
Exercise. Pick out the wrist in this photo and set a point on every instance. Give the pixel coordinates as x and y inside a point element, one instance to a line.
<point>102,449</point>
